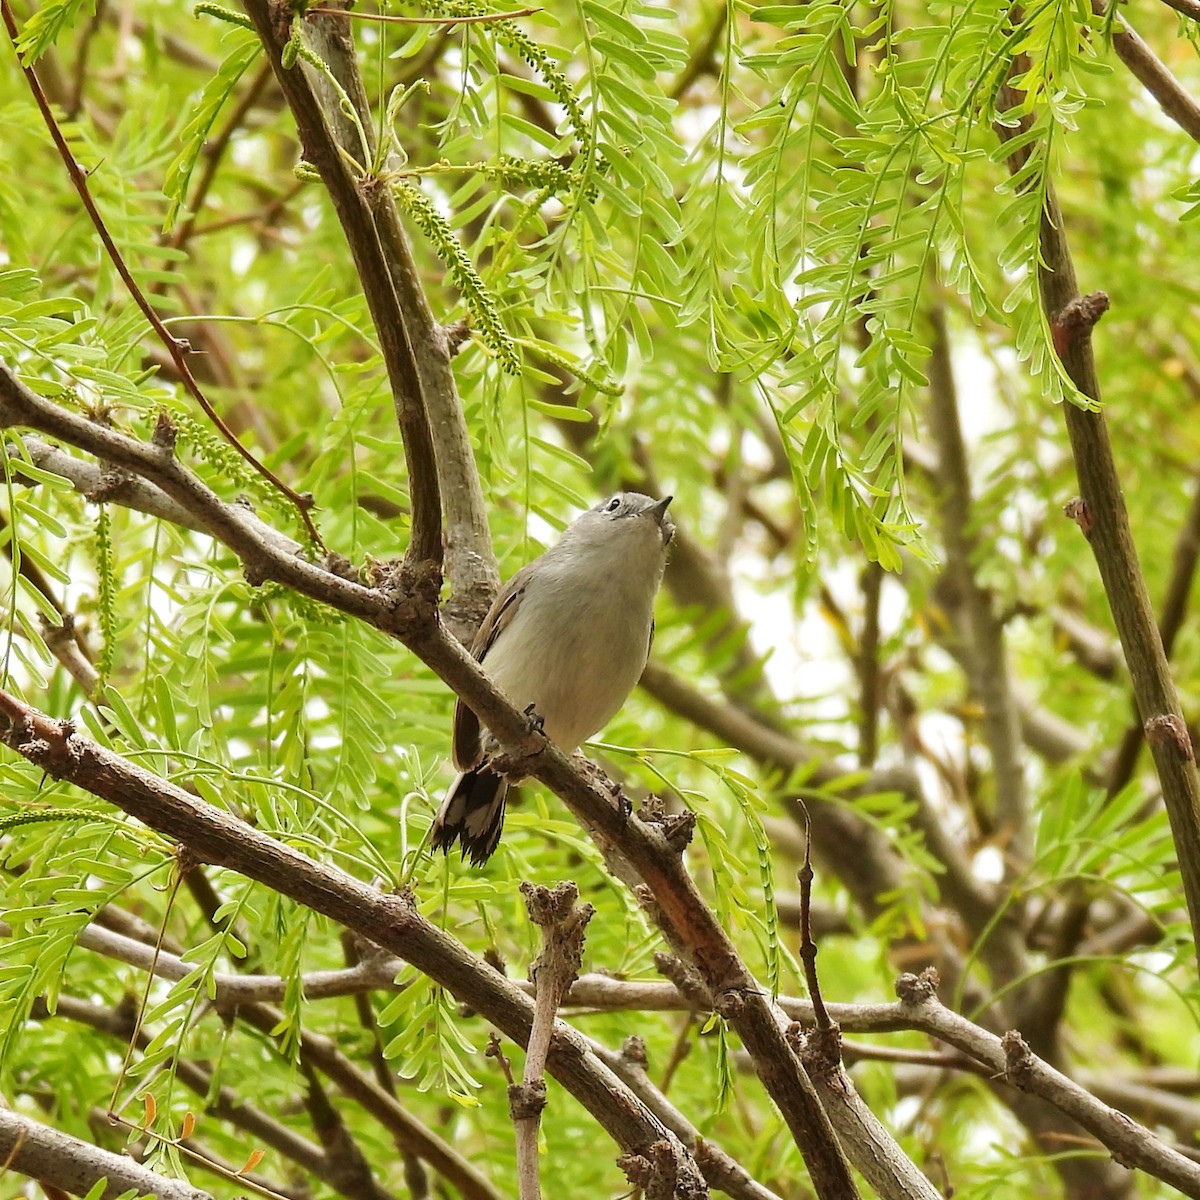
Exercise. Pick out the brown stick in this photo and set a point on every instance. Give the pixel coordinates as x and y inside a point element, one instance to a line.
<point>1104,521</point>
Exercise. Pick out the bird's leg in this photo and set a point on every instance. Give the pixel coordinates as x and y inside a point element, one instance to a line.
<point>537,723</point>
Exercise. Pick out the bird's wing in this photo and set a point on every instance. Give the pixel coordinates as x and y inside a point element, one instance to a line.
<point>467,744</point>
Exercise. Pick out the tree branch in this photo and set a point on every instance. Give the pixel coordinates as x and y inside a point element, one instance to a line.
<point>983,640</point>
<point>1129,1143</point>
<point>1150,72</point>
<point>470,560</point>
<point>389,921</point>
<point>348,192</point>
<point>554,970</point>
<point>175,347</point>
<point>407,611</point>
<point>1105,522</point>
<point>75,1166</point>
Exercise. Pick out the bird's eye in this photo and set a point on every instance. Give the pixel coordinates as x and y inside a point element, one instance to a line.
<point>613,505</point>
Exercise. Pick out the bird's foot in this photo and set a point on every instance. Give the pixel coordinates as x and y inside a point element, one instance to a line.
<point>537,723</point>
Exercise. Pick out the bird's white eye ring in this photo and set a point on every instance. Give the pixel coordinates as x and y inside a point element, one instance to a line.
<point>613,505</point>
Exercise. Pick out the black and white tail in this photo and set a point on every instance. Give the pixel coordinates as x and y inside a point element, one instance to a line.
<point>472,814</point>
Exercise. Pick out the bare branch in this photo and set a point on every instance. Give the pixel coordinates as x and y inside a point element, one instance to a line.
<point>470,560</point>
<point>407,611</point>
<point>1153,75</point>
<point>389,921</point>
<point>1129,1143</point>
<point>348,193</point>
<point>719,1169</point>
<point>983,643</point>
<point>75,1166</point>
<point>555,969</point>
<point>1072,318</point>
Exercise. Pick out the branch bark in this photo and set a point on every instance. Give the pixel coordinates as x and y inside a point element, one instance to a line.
<point>405,607</point>
<point>389,921</point>
<point>348,193</point>
<point>470,561</point>
<point>1104,520</point>
<point>984,651</point>
<point>76,1166</point>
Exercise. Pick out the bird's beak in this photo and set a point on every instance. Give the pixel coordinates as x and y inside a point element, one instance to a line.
<point>665,525</point>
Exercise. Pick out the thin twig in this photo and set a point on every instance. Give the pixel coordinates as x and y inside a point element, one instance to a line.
<point>384,18</point>
<point>1174,609</point>
<point>176,347</point>
<point>808,948</point>
<point>867,660</point>
<point>1104,521</point>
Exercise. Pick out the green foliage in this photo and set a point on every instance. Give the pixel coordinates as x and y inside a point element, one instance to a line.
<point>216,93</point>
<point>699,250</point>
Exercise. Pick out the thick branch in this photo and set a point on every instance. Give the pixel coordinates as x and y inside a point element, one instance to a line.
<point>470,561</point>
<point>389,921</point>
<point>407,611</point>
<point>349,194</point>
<point>75,1166</point>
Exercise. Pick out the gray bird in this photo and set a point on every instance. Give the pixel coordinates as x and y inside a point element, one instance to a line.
<point>567,638</point>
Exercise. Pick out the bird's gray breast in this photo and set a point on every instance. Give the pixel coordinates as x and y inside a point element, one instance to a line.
<point>578,643</point>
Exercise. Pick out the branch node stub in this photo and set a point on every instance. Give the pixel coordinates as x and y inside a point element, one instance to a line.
<point>549,906</point>
<point>186,860</point>
<point>1079,511</point>
<point>526,1100</point>
<point>1018,1059</point>
<point>457,335</point>
<point>822,1053</point>
<point>164,435</point>
<point>678,829</point>
<point>340,565</point>
<point>1074,323</point>
<point>633,1051</point>
<point>111,481</point>
<point>410,590</point>
<point>664,1171</point>
<point>917,989</point>
<point>255,572</point>
<point>1169,729</point>
<point>730,1003</point>
<point>37,750</point>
